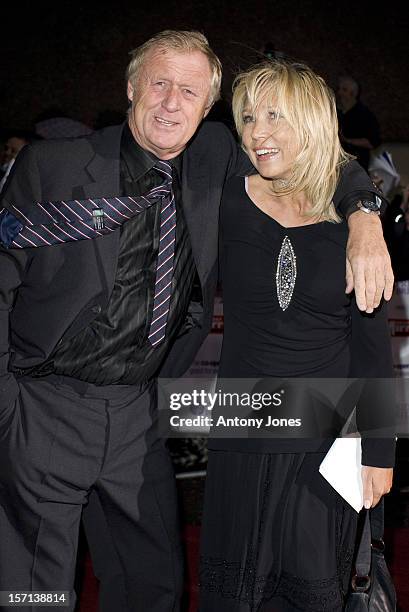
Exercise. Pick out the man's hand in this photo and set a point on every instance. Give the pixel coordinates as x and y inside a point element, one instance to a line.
<point>368,266</point>
<point>376,482</point>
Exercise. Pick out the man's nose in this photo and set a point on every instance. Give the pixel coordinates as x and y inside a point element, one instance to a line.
<point>171,100</point>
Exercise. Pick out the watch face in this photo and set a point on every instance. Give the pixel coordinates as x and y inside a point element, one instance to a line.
<point>371,205</point>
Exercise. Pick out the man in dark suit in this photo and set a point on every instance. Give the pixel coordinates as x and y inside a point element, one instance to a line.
<point>79,350</point>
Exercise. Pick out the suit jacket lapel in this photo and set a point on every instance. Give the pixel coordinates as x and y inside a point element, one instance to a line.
<point>195,197</point>
<point>102,178</point>
<point>102,170</point>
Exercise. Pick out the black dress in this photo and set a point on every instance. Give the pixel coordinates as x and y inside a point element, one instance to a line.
<point>275,535</point>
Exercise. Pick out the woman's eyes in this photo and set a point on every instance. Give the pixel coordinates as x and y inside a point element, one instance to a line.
<point>272,115</point>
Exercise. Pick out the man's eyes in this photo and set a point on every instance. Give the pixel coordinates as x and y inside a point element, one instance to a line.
<point>186,91</point>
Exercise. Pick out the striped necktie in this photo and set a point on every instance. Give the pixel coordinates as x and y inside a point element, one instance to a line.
<point>164,264</point>
<point>50,223</point>
<point>74,220</point>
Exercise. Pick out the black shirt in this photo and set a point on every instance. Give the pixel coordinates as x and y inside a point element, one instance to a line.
<point>114,348</point>
<point>310,337</point>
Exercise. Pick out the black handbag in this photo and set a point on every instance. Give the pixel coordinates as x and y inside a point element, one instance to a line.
<point>372,588</point>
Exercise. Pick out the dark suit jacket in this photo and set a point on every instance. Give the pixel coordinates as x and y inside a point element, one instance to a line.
<point>48,294</point>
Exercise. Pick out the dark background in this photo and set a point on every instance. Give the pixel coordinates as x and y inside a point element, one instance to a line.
<point>74,55</point>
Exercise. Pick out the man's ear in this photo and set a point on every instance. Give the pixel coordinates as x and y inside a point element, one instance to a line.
<point>207,110</point>
<point>130,91</point>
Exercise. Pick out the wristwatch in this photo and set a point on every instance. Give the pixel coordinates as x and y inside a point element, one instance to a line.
<point>370,206</point>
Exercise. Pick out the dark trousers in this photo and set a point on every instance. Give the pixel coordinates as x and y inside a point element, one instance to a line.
<point>64,444</point>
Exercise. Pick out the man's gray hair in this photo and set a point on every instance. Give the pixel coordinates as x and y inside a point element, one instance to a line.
<point>183,41</point>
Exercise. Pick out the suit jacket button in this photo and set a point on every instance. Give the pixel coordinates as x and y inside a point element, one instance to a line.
<point>96,309</point>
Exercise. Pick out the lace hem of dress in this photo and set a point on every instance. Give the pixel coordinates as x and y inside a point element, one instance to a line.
<point>234,581</point>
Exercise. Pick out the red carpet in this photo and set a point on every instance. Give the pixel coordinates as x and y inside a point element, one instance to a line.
<point>88,598</point>
<point>397,546</point>
<point>397,543</point>
<point>191,537</point>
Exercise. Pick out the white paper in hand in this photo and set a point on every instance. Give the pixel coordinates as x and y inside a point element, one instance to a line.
<point>341,467</point>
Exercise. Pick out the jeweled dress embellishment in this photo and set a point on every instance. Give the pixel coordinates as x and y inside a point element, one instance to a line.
<point>286,273</point>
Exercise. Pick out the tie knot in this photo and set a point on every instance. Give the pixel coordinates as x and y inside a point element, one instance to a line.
<point>164,168</point>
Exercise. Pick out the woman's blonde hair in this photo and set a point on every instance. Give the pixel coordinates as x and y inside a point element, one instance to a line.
<point>308,105</point>
<point>182,41</point>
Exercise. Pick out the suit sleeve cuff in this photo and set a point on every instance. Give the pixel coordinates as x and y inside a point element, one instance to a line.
<point>348,204</point>
<point>378,452</point>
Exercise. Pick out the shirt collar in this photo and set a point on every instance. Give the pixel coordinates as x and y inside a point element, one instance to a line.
<point>138,160</point>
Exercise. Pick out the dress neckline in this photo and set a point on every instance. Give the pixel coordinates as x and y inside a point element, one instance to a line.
<point>282,227</point>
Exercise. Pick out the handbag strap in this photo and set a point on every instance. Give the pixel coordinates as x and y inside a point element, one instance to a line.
<point>377,521</point>
<point>372,530</point>
<point>363,557</point>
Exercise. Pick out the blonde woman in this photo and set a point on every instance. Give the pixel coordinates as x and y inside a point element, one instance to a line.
<point>276,536</point>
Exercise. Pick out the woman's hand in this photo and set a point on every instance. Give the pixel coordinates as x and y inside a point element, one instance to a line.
<point>376,482</point>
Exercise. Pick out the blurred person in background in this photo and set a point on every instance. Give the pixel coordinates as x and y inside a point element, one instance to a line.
<point>358,126</point>
<point>15,142</point>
